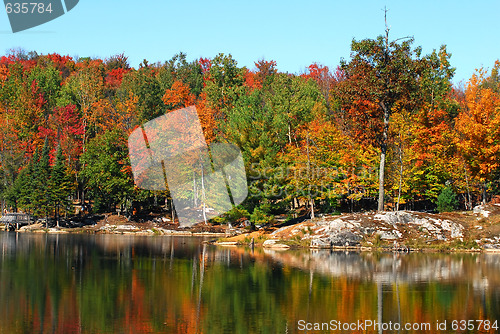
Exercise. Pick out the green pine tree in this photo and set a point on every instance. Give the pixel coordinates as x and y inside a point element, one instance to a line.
<point>447,200</point>
<point>60,185</point>
<point>106,160</point>
<point>25,185</point>
<point>41,195</point>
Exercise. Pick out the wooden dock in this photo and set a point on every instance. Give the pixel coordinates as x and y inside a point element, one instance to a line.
<point>15,220</point>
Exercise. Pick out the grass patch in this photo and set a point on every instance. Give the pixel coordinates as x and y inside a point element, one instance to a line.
<point>297,242</point>
<point>374,242</point>
<point>418,243</point>
<point>261,238</point>
<point>465,244</point>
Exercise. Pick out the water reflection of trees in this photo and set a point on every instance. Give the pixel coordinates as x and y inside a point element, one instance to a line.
<point>102,284</point>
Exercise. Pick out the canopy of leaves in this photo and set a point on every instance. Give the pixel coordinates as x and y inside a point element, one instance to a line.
<point>313,138</point>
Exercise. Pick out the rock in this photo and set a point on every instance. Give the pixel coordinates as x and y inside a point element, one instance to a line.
<point>456,230</point>
<point>273,244</point>
<point>56,230</point>
<point>333,227</point>
<point>227,243</point>
<point>437,228</point>
<point>481,210</point>
<point>401,217</point>
<point>340,239</point>
<point>320,243</point>
<point>387,236</point>
<point>346,238</point>
<point>127,227</point>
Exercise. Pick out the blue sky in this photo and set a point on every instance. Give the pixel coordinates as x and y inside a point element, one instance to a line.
<point>293,33</point>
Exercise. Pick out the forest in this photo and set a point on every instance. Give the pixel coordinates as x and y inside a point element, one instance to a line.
<point>385,130</point>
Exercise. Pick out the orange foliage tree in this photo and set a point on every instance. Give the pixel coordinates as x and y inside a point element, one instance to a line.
<point>478,130</point>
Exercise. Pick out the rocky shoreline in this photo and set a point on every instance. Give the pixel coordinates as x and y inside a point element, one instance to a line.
<point>402,231</point>
<point>115,224</point>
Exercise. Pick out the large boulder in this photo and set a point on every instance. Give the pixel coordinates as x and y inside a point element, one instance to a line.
<point>339,239</point>
<point>481,210</point>
<point>271,243</point>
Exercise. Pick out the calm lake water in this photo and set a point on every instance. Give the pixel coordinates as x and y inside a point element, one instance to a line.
<point>132,284</point>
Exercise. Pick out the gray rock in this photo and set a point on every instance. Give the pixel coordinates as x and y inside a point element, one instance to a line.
<point>320,243</point>
<point>480,210</point>
<point>346,238</point>
<point>341,239</point>
<point>387,236</point>
<point>274,244</point>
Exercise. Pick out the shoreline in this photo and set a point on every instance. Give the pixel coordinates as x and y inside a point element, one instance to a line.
<point>90,231</point>
<point>360,249</point>
<point>279,245</point>
<point>476,231</point>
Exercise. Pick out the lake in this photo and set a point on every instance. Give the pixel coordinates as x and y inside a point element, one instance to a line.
<point>134,284</point>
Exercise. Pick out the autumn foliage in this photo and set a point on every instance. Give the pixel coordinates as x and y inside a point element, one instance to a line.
<point>311,142</point>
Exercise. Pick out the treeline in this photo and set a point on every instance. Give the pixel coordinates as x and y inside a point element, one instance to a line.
<point>387,125</point>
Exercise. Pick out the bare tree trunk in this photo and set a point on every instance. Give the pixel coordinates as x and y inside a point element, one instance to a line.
<point>172,210</point>
<point>383,152</point>
<point>312,208</point>
<point>203,194</point>
<point>385,133</point>
<point>484,193</point>
<point>195,192</point>
<point>400,175</point>
<point>289,134</point>
<point>468,204</point>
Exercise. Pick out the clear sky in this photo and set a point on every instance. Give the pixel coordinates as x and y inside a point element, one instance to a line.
<point>293,33</point>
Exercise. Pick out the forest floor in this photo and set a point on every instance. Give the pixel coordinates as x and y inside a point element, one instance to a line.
<point>477,230</point>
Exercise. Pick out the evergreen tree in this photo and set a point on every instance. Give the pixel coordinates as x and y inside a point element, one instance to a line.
<point>447,200</point>
<point>60,185</point>
<point>41,192</point>
<point>25,185</point>
<point>107,180</point>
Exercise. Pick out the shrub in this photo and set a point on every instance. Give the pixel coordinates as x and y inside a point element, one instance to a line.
<point>258,217</point>
<point>237,213</point>
<point>447,200</point>
<point>219,220</point>
<point>232,216</point>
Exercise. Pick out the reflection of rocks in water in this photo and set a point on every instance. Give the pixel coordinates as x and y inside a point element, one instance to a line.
<point>481,269</point>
